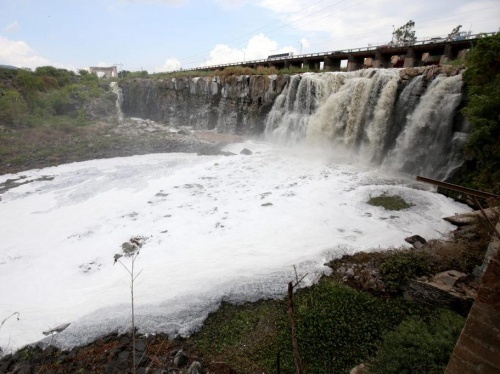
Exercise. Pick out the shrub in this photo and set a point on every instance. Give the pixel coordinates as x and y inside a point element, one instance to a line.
<point>482,167</point>
<point>339,327</point>
<point>418,347</point>
<point>399,269</point>
<point>13,108</point>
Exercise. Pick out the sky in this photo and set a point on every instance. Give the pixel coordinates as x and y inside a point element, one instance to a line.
<point>215,227</point>
<point>164,35</point>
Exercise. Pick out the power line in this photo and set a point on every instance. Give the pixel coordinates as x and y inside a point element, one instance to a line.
<point>417,23</point>
<point>256,30</point>
<point>272,33</point>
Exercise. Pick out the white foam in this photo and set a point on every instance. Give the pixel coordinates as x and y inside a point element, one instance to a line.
<point>211,235</point>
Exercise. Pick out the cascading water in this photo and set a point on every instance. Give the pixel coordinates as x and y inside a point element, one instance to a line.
<point>427,140</point>
<point>367,113</point>
<point>119,99</point>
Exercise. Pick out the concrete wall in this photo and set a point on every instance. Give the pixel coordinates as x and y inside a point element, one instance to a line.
<point>478,348</point>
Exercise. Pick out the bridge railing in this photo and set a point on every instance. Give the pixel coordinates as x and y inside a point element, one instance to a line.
<point>339,52</point>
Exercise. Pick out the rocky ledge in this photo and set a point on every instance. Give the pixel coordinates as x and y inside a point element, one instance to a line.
<point>154,354</point>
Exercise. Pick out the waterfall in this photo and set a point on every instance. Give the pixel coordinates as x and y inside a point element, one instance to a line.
<point>374,115</point>
<point>427,145</point>
<point>119,99</point>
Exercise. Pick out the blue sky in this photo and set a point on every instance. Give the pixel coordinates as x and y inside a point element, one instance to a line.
<point>160,35</point>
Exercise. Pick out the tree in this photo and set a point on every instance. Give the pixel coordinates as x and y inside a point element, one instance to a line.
<point>405,35</point>
<point>482,151</point>
<point>454,33</point>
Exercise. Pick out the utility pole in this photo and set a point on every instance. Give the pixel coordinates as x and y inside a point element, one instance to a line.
<point>119,67</point>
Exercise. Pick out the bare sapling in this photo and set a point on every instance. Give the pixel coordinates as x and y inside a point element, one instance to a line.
<point>291,313</point>
<point>131,250</point>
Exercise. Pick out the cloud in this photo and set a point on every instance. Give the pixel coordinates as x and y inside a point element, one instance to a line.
<point>19,53</point>
<point>258,48</point>
<point>12,27</point>
<point>170,64</point>
<point>345,24</point>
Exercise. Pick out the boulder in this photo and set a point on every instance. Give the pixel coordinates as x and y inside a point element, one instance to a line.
<point>443,290</point>
<point>195,368</point>
<point>416,240</point>
<point>181,359</point>
<point>246,151</point>
<point>447,279</point>
<point>57,329</point>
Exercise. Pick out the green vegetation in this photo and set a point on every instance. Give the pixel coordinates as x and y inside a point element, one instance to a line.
<point>417,346</point>
<point>398,270</point>
<point>337,327</point>
<point>45,116</point>
<point>32,98</point>
<point>482,152</point>
<point>389,202</point>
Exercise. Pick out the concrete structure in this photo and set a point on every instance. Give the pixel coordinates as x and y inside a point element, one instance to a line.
<point>382,56</point>
<point>109,72</point>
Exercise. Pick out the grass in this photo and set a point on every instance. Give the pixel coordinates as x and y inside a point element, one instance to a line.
<point>389,202</point>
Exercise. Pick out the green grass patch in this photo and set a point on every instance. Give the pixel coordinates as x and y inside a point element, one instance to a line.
<point>337,328</point>
<point>389,202</point>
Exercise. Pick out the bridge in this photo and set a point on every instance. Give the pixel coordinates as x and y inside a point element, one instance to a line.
<point>420,53</point>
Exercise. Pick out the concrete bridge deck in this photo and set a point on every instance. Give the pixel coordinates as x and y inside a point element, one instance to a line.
<point>420,53</point>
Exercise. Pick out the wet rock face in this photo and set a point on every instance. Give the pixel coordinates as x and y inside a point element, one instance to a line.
<point>226,104</point>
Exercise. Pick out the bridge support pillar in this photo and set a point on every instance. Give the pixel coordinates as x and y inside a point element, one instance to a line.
<point>311,65</point>
<point>409,59</point>
<point>381,61</point>
<point>330,64</point>
<point>447,55</point>
<point>462,54</point>
<point>354,63</point>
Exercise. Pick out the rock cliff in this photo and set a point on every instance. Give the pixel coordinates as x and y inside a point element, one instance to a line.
<point>226,104</point>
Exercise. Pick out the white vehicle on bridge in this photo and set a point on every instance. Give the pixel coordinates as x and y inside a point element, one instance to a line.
<point>280,56</point>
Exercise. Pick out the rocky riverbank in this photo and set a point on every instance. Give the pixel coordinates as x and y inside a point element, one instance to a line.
<point>33,148</point>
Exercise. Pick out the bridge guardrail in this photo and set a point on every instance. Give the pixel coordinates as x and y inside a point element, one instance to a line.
<point>339,52</point>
